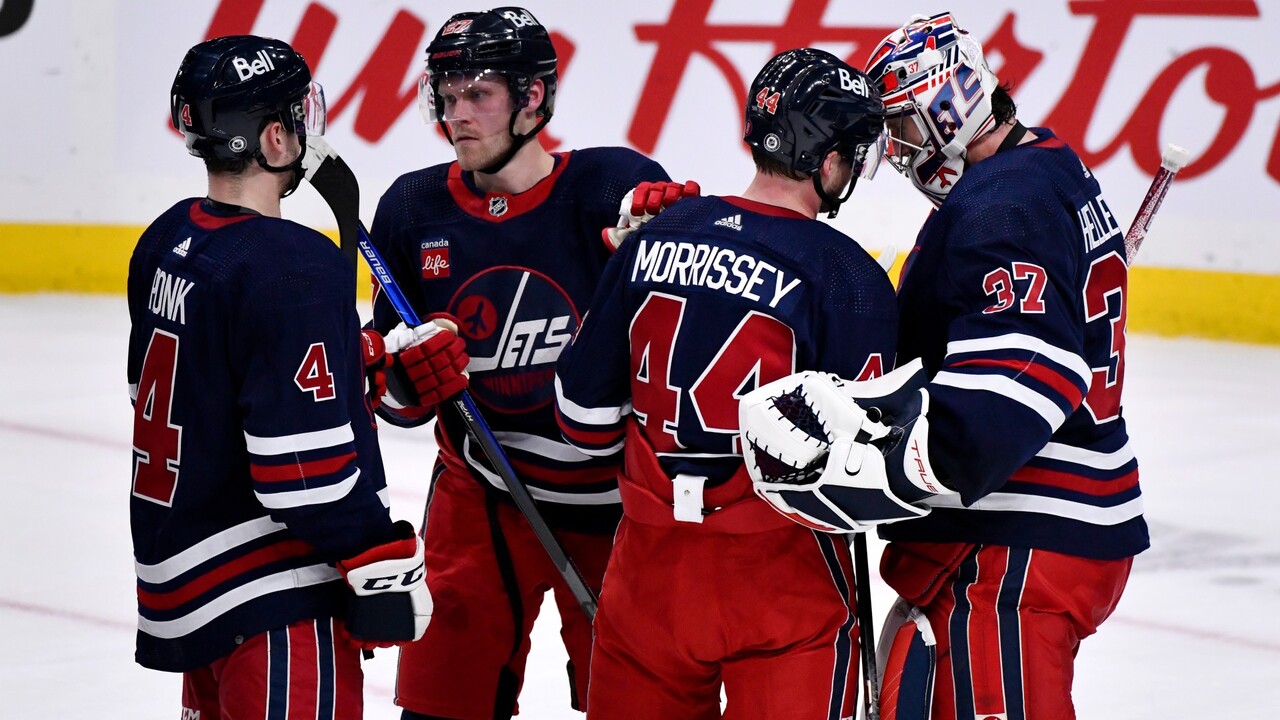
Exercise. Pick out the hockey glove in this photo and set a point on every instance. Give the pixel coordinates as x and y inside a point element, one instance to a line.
<point>641,204</point>
<point>430,363</point>
<point>391,604</point>
<point>375,366</point>
<point>818,457</point>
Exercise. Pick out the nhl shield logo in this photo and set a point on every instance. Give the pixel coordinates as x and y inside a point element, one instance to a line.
<point>498,205</point>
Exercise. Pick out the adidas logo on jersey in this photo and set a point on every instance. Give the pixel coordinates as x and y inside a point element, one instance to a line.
<point>733,222</point>
<point>182,248</point>
<point>245,69</point>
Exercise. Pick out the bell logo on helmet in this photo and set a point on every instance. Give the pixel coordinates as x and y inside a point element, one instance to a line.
<point>455,27</point>
<point>519,19</point>
<point>261,66</point>
<point>853,84</point>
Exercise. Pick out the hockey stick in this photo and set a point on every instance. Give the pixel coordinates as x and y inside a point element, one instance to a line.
<point>336,178</point>
<point>1171,161</point>
<point>866,631</point>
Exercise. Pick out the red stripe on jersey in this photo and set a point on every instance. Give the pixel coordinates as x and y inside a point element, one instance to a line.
<point>1053,379</point>
<point>203,583</point>
<point>208,221</point>
<point>515,205</point>
<point>590,438</point>
<point>553,476</point>
<point>299,471</point>
<point>1077,483</point>
<point>304,677</point>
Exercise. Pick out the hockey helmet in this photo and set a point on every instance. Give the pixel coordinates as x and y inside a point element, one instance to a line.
<point>507,42</point>
<point>805,103</point>
<point>228,89</point>
<point>933,77</point>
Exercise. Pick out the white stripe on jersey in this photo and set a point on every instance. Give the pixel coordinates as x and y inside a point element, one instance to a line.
<point>308,496</point>
<point>544,447</point>
<point>608,497</point>
<point>133,392</point>
<point>1057,507</point>
<point>385,496</point>
<point>1088,458</point>
<point>586,415</point>
<point>301,442</point>
<point>206,549</point>
<point>1006,387</point>
<point>1018,341</point>
<point>206,613</point>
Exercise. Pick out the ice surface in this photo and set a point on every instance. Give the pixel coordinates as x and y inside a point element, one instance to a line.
<point>1196,635</point>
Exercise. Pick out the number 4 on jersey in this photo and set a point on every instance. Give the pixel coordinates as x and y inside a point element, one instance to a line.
<point>313,374</point>
<point>157,442</point>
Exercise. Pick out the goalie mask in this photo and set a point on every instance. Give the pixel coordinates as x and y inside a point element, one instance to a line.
<point>937,89</point>
<point>805,103</point>
<point>228,89</point>
<point>507,43</point>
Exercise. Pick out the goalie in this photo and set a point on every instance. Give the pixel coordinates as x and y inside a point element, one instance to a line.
<point>997,463</point>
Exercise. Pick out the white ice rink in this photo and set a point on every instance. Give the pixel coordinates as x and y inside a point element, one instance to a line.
<point>1196,635</point>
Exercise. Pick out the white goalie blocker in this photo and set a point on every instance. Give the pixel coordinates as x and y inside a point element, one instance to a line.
<point>817,450</point>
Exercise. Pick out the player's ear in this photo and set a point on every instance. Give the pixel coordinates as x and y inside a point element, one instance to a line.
<point>274,142</point>
<point>537,95</point>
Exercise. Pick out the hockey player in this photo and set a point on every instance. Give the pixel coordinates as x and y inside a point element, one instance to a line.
<point>1008,477</point>
<point>708,587</point>
<point>255,464</point>
<point>507,241</point>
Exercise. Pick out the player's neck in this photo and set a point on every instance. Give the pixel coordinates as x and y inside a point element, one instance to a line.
<point>529,166</point>
<point>797,195</point>
<point>258,191</point>
<point>989,144</point>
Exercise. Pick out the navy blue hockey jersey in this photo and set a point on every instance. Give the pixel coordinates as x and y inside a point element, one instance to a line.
<point>516,271</point>
<point>255,461</point>
<point>709,300</point>
<point>1015,298</point>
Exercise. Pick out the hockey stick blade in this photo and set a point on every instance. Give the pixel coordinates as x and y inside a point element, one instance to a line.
<point>330,175</point>
<point>326,164</point>
<point>1173,160</point>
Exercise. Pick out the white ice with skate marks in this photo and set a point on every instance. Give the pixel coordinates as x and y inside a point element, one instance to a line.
<point>1192,636</point>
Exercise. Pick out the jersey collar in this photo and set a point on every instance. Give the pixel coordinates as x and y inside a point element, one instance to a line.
<point>500,207</point>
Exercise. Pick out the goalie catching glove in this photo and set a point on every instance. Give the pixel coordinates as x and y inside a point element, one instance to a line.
<point>391,604</point>
<point>640,205</point>
<point>841,456</point>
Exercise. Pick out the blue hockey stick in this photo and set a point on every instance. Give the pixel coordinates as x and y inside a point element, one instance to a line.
<point>327,172</point>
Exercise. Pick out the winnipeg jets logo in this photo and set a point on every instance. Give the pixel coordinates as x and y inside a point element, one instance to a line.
<point>515,321</point>
<point>498,205</point>
<point>733,222</point>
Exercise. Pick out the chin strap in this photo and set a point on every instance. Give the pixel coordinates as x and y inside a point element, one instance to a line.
<point>830,204</point>
<point>294,167</point>
<point>517,141</point>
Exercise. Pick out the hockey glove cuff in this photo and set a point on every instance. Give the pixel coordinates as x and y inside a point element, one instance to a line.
<point>431,359</point>
<point>642,204</point>
<point>390,604</point>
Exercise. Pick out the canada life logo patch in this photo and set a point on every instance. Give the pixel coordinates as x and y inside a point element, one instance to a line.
<point>435,259</point>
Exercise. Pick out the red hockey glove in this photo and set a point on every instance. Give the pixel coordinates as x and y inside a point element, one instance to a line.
<point>641,204</point>
<point>376,360</point>
<point>432,357</point>
<point>391,604</point>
